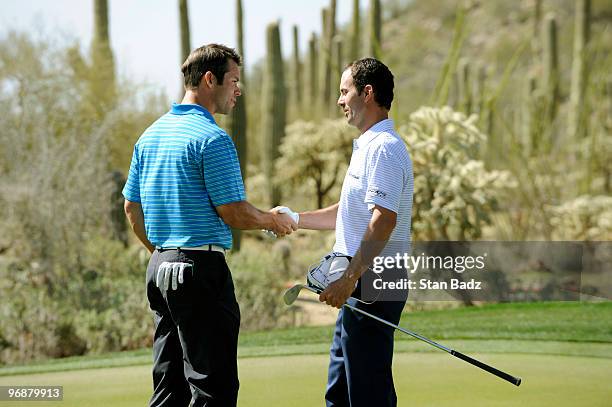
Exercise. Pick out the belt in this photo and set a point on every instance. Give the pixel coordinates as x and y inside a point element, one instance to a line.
<point>206,247</point>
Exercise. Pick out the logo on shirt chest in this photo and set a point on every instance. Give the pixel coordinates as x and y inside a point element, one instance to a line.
<point>377,192</point>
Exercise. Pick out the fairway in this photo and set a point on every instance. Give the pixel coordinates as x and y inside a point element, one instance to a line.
<point>422,379</point>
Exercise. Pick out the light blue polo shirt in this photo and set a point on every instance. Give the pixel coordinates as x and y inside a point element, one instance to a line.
<point>380,173</point>
<point>183,166</point>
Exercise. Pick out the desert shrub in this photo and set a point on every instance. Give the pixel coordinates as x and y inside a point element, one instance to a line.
<point>113,312</point>
<point>100,307</point>
<point>58,257</point>
<point>34,324</point>
<point>454,194</point>
<point>260,276</point>
<point>314,156</point>
<point>584,218</point>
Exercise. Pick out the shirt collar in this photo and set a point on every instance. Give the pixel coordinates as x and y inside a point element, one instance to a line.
<point>191,109</point>
<point>385,125</point>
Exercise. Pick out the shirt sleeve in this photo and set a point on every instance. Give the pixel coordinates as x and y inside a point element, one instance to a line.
<point>131,190</point>
<point>221,171</point>
<point>385,180</point>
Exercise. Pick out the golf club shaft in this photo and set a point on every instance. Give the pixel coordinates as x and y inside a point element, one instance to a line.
<point>399,328</point>
<point>503,375</point>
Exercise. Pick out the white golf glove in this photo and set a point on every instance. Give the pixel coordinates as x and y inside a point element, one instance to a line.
<point>167,271</point>
<point>328,270</point>
<point>283,209</point>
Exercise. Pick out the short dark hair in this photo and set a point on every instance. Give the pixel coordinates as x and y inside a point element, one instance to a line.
<point>370,71</point>
<point>211,57</point>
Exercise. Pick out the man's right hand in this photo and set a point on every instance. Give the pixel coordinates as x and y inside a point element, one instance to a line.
<point>243,215</point>
<point>282,223</point>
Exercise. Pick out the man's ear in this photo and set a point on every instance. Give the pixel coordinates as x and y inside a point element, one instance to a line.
<point>209,79</point>
<point>368,92</point>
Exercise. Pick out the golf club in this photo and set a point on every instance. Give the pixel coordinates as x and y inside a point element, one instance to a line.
<point>292,294</point>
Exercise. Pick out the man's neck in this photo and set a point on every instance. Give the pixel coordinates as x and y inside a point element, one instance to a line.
<point>192,98</point>
<point>374,118</point>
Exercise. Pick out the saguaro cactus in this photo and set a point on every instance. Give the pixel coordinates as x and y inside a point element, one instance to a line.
<point>607,171</point>
<point>329,31</point>
<point>551,66</point>
<point>530,119</point>
<point>537,19</point>
<point>102,93</point>
<point>337,70</point>
<point>238,119</point>
<point>375,29</point>
<point>355,48</point>
<point>185,38</point>
<point>464,87</point>
<point>297,71</point>
<point>273,114</point>
<point>185,32</point>
<point>324,58</point>
<point>582,28</point>
<point>103,82</point>
<point>312,71</point>
<point>324,26</point>
<point>608,92</point>
<point>101,33</point>
<point>480,88</point>
<point>117,215</point>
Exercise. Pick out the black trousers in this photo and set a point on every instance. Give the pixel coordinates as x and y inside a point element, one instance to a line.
<point>196,332</point>
<point>361,357</point>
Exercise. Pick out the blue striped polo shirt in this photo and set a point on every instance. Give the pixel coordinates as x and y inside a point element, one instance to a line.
<point>380,173</point>
<point>183,166</point>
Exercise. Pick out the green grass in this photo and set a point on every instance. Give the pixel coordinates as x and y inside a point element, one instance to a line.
<point>564,321</point>
<point>576,329</point>
<point>422,379</point>
<point>562,351</point>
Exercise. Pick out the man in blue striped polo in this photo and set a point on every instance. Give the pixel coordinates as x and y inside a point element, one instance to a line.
<point>371,219</point>
<point>184,192</point>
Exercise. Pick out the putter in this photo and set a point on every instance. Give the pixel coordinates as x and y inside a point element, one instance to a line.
<point>292,294</point>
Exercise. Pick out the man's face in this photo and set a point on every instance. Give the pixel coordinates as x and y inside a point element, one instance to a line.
<point>352,103</point>
<point>226,94</point>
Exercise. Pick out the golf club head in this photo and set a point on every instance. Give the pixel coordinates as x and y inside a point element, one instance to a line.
<point>292,294</point>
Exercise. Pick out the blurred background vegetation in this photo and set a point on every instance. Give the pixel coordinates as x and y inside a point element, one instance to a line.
<point>506,108</point>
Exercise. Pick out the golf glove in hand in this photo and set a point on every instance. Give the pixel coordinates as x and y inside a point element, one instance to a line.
<point>283,209</point>
<point>328,270</point>
<point>168,271</point>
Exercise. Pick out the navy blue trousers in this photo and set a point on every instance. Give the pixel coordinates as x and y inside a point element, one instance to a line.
<point>361,357</point>
<point>196,332</point>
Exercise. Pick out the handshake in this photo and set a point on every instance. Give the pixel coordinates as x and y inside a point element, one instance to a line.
<point>284,222</point>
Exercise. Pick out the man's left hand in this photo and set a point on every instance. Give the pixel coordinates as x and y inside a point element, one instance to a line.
<point>338,292</point>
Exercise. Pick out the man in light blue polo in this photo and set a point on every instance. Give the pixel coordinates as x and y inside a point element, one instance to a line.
<point>371,219</point>
<point>184,192</point>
